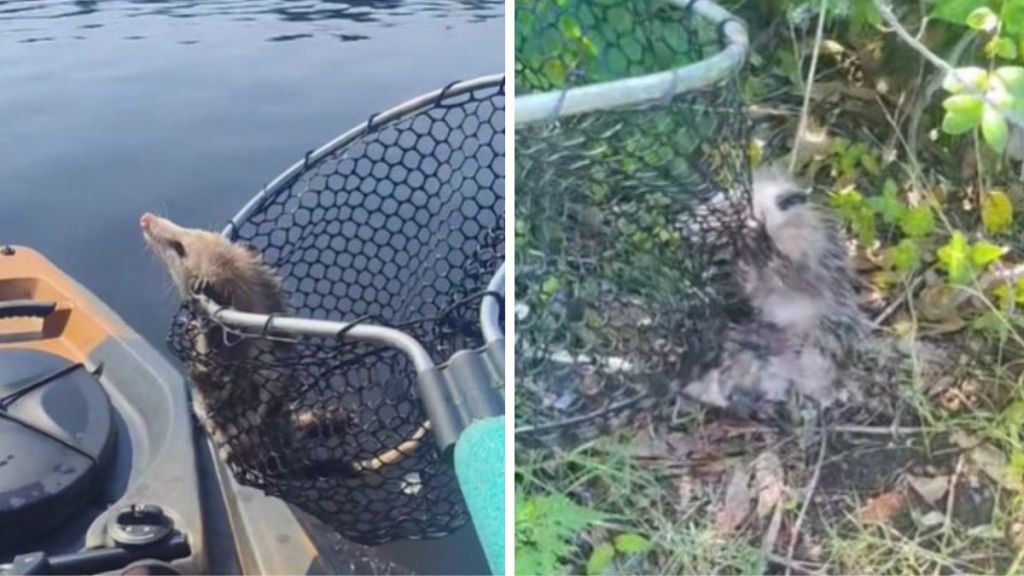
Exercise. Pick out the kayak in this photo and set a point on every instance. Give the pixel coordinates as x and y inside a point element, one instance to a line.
<point>94,429</point>
<point>101,462</point>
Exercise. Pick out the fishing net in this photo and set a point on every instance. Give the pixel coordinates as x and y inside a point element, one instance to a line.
<point>397,224</point>
<point>627,206</point>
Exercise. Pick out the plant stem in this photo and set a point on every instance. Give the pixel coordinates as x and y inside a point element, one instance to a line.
<point>811,487</point>
<point>1011,116</point>
<point>805,111</point>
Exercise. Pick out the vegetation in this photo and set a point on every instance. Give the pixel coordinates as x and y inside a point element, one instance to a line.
<point>921,157</point>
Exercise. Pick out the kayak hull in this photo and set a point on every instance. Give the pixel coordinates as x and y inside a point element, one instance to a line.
<point>156,459</point>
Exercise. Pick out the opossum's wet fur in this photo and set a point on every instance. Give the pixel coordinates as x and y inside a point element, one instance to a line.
<point>805,336</point>
<point>246,396</point>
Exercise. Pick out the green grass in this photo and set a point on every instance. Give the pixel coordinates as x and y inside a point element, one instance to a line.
<point>618,493</point>
<point>924,220</point>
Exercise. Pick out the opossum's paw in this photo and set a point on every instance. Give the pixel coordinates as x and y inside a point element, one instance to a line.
<point>320,421</point>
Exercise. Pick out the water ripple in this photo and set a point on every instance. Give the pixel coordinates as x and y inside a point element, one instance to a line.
<point>285,10</point>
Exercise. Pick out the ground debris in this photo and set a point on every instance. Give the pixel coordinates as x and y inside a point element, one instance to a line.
<point>658,445</point>
<point>770,482</point>
<point>687,490</point>
<point>930,488</point>
<point>993,463</point>
<point>882,508</point>
<point>736,504</point>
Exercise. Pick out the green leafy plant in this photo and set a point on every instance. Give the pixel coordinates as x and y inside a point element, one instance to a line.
<point>864,213</point>
<point>623,544</point>
<point>963,260</point>
<point>546,531</point>
<point>980,97</point>
<point>996,212</point>
<point>910,234</point>
<point>850,158</point>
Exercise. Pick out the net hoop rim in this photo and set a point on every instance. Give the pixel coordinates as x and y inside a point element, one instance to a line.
<point>636,90</point>
<point>294,325</point>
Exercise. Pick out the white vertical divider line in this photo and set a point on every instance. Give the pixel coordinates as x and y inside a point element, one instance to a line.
<point>510,274</point>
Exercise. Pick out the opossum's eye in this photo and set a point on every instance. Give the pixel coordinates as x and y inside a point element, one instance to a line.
<point>790,199</point>
<point>178,248</point>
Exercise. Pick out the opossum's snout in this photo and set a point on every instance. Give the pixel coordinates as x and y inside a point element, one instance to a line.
<point>146,224</point>
<point>162,237</point>
<point>161,234</point>
<point>150,226</point>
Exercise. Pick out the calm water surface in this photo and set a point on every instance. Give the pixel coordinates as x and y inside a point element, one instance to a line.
<point>112,108</point>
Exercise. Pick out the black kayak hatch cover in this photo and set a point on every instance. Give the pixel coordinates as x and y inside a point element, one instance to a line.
<point>56,438</point>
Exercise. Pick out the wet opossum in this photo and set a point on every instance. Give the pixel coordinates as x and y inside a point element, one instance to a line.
<point>244,396</point>
<point>806,333</point>
<point>806,324</point>
<point>801,279</point>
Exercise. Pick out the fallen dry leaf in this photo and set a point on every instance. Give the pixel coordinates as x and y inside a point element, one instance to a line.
<point>881,509</point>
<point>737,502</point>
<point>668,446</point>
<point>931,489</point>
<point>946,326</point>
<point>716,466</point>
<point>964,439</point>
<point>937,303</point>
<point>769,480</point>
<point>992,462</point>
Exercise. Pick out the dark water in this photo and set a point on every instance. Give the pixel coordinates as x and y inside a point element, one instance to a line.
<point>186,108</point>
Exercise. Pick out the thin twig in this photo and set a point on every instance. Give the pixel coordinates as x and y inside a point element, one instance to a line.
<point>798,567</point>
<point>771,535</point>
<point>950,500</point>
<point>811,487</point>
<point>931,88</point>
<point>805,111</point>
<point>992,280</point>
<point>878,430</point>
<point>797,53</point>
<point>895,304</point>
<point>840,429</point>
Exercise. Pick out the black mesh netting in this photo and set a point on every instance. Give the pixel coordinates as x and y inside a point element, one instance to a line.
<point>402,227</point>
<point>623,217</point>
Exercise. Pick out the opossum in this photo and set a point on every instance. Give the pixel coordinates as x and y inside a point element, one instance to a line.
<point>244,396</point>
<point>805,326</point>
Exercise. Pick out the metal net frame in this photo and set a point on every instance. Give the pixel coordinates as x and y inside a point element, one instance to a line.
<point>389,242</point>
<point>632,193</point>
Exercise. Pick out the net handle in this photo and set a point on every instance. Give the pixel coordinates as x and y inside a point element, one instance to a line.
<point>636,90</point>
<point>264,324</point>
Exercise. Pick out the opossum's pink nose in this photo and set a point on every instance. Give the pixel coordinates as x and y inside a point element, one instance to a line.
<point>146,221</point>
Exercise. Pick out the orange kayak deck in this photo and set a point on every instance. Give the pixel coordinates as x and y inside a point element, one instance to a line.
<point>78,325</point>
